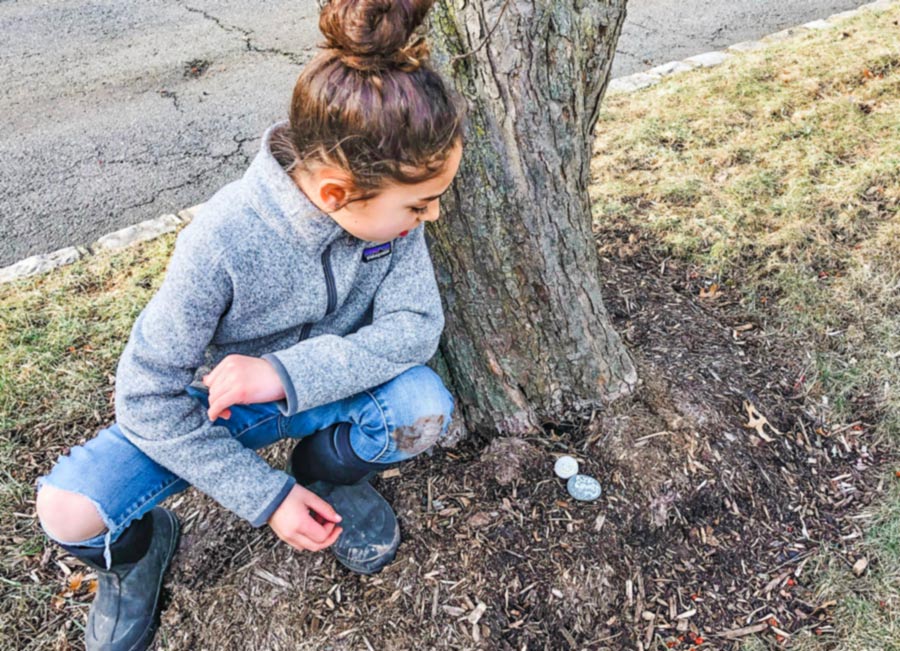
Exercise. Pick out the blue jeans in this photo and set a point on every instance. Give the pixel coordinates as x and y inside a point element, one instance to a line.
<point>391,422</point>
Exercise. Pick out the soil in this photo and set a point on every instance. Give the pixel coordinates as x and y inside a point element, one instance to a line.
<point>705,526</point>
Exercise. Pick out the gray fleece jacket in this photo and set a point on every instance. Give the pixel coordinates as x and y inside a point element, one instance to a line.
<point>261,271</point>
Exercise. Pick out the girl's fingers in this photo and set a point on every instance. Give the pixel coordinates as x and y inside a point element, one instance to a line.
<point>210,377</point>
<point>302,543</point>
<point>331,539</point>
<point>219,403</point>
<point>220,368</point>
<point>322,507</point>
<point>313,530</point>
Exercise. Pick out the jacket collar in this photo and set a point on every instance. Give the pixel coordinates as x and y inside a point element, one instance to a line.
<point>282,205</point>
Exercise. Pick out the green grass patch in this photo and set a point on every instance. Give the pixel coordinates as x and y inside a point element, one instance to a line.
<point>62,335</point>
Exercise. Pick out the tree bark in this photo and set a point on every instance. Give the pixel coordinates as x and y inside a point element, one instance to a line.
<point>527,339</point>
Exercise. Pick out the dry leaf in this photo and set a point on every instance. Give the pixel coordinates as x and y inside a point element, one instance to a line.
<point>757,421</point>
<point>74,581</point>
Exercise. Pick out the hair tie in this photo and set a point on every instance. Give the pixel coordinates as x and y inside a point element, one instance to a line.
<point>408,59</point>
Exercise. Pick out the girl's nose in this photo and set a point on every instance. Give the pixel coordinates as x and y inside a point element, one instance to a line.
<point>434,211</point>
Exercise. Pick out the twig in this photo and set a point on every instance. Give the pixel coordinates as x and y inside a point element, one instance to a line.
<point>746,630</point>
<point>457,57</point>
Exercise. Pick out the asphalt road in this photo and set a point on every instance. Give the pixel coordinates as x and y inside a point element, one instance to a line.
<point>115,112</point>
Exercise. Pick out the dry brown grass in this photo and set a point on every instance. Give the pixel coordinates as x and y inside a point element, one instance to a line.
<point>782,168</point>
<point>779,172</point>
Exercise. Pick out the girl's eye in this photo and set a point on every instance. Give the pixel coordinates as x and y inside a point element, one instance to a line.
<point>419,211</point>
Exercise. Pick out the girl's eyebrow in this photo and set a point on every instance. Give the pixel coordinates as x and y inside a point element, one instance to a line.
<point>437,196</point>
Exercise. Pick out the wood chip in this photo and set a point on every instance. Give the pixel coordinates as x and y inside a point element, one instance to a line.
<point>780,632</point>
<point>771,585</point>
<point>860,566</point>
<point>476,614</point>
<point>454,611</point>
<point>271,578</point>
<point>742,632</point>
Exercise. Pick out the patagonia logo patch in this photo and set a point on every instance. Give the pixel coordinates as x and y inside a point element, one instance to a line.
<point>375,252</point>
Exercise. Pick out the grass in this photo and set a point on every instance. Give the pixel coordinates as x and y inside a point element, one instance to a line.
<point>780,172</point>
<point>62,335</point>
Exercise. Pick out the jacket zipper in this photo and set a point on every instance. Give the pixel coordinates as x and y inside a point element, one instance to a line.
<point>332,291</point>
<point>329,279</point>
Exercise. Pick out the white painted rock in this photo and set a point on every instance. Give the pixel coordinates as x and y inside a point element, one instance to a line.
<point>565,467</point>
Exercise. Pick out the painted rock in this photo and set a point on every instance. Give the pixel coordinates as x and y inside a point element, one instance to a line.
<point>583,487</point>
<point>565,467</point>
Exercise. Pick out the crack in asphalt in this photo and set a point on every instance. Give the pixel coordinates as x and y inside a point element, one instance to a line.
<point>223,159</point>
<point>172,95</point>
<point>246,36</point>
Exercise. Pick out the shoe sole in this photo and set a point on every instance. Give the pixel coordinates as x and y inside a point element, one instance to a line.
<point>366,570</point>
<point>146,639</point>
<point>359,569</point>
<point>383,554</point>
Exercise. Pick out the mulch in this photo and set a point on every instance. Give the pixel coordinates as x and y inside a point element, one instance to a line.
<point>705,534</point>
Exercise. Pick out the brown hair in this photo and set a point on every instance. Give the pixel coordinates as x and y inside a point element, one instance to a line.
<point>369,103</point>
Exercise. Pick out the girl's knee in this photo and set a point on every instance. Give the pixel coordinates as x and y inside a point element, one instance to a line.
<point>68,516</point>
<point>428,413</point>
<point>406,416</point>
<point>426,389</point>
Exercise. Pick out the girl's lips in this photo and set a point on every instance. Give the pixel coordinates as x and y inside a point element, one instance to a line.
<point>404,233</point>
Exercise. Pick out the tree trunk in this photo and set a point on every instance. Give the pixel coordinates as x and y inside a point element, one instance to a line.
<point>528,339</point>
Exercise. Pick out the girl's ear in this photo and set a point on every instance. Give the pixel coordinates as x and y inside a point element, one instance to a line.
<point>333,194</point>
<point>334,188</point>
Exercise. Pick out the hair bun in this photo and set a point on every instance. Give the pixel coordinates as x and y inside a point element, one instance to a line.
<point>373,35</point>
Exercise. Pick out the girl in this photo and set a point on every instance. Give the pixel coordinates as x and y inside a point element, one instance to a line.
<point>300,302</point>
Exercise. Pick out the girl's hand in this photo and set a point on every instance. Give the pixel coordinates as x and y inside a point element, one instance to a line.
<point>293,523</point>
<point>241,380</point>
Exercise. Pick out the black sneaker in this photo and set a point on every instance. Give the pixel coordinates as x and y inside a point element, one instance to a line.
<point>125,613</point>
<point>326,464</point>
<point>371,534</point>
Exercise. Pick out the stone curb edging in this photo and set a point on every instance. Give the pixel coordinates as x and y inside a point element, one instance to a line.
<point>141,232</point>
<point>153,228</point>
<point>653,76</point>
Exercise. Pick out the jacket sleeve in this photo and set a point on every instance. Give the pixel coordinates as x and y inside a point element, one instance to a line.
<point>407,321</point>
<point>154,410</point>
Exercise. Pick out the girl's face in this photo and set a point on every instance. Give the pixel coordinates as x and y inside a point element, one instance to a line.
<point>392,213</point>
